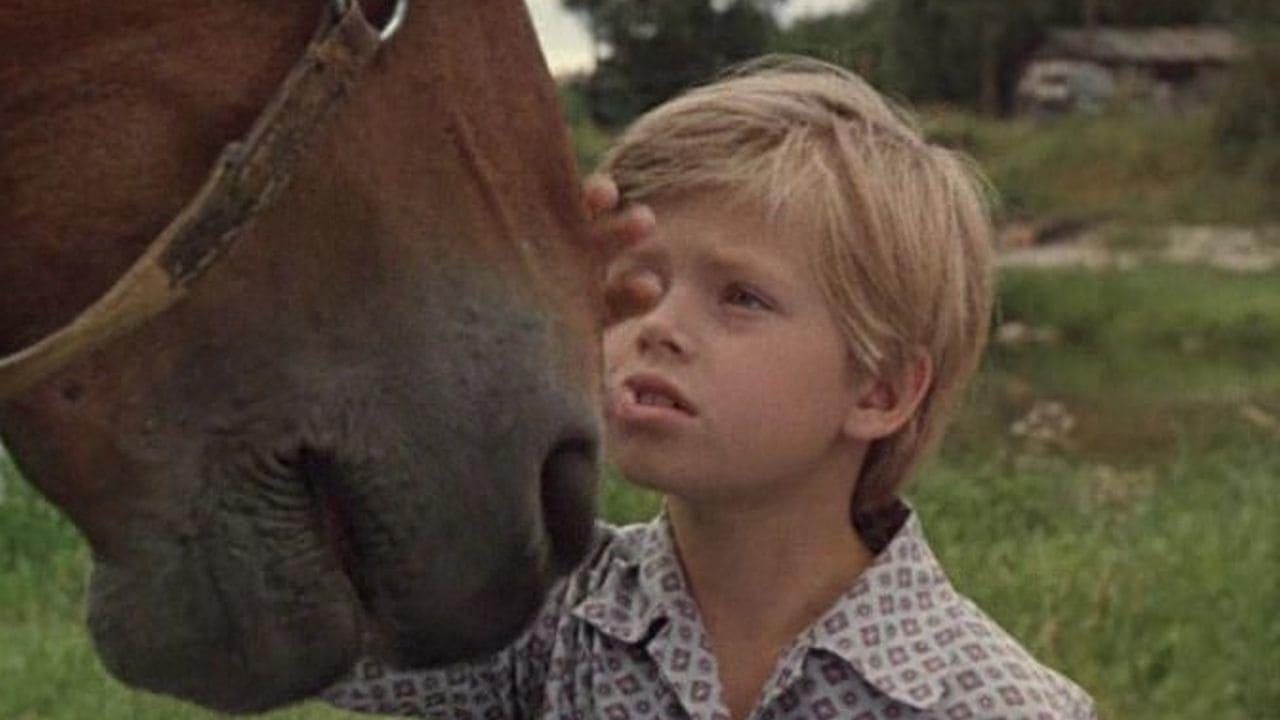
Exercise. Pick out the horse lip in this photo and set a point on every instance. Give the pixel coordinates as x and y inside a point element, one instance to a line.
<point>568,483</point>
<point>338,533</point>
<point>334,508</point>
<point>652,382</point>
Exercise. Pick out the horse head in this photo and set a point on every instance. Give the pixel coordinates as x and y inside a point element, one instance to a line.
<point>371,426</point>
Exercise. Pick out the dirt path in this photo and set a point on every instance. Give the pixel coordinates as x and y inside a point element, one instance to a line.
<point>1227,248</point>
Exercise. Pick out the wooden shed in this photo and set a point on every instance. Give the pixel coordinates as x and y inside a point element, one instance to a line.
<point>1171,67</point>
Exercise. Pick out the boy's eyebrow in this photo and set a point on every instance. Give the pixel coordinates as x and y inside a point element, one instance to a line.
<point>738,260</point>
<point>719,261</point>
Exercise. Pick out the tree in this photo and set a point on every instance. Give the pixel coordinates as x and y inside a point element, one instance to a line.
<point>964,52</point>
<point>850,39</point>
<point>1247,121</point>
<point>970,52</point>
<point>958,51</point>
<point>648,50</point>
<point>967,52</point>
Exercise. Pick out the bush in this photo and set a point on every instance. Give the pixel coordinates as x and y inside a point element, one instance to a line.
<point>1128,164</point>
<point>590,141</point>
<point>1247,122</point>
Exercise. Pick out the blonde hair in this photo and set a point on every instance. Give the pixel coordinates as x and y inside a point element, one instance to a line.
<point>903,226</point>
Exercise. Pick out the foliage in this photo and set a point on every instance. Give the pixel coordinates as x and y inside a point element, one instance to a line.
<point>1162,309</point>
<point>970,53</point>
<point>1157,12</point>
<point>1126,580</point>
<point>1152,363</point>
<point>590,141</point>
<point>1247,123</point>
<point>850,39</point>
<point>1137,166</point>
<point>966,52</point>
<point>652,50</point>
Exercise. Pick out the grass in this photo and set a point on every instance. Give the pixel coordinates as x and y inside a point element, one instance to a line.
<point>1138,167</point>
<point>1149,588</point>
<point>1139,555</point>
<point>1147,541</point>
<point>1149,362</point>
<point>1163,308</point>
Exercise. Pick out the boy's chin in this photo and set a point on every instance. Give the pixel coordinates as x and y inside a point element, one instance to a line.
<point>669,472</point>
<point>691,487</point>
<point>649,472</point>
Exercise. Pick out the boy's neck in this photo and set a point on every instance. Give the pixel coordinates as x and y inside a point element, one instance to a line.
<point>768,570</point>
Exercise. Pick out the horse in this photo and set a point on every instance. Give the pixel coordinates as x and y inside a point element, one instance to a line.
<point>361,416</point>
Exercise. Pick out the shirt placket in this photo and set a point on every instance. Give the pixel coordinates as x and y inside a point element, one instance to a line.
<point>682,652</point>
<point>781,685</point>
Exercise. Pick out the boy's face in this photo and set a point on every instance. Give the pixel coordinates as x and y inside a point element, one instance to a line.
<point>735,383</point>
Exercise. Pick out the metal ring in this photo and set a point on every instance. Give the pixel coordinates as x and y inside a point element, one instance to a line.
<point>393,25</point>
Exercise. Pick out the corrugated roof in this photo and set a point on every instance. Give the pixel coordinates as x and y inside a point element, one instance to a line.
<point>1195,44</point>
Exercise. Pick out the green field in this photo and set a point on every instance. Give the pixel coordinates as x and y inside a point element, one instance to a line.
<point>1128,165</point>
<point>1139,552</point>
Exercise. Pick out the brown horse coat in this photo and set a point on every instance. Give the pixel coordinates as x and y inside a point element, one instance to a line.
<point>372,426</point>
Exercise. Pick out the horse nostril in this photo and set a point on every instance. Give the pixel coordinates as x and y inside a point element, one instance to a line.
<point>569,478</point>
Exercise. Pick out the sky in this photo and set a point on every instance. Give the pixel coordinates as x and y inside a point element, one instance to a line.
<point>568,47</point>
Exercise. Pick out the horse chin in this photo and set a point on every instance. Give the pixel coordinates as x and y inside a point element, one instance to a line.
<point>171,629</point>
<point>241,605</point>
<point>461,623</point>
<point>293,566</point>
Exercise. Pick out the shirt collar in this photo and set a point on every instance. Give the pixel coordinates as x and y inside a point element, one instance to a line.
<point>889,625</point>
<point>641,585</point>
<point>876,626</point>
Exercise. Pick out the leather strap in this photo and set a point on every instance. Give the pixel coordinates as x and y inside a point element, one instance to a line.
<point>247,178</point>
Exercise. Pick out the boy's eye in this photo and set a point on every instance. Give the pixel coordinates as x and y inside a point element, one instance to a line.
<point>746,298</point>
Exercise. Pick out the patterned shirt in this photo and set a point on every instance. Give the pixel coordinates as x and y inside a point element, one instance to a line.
<point>621,639</point>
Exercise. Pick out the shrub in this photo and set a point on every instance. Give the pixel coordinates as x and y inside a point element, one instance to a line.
<point>1247,122</point>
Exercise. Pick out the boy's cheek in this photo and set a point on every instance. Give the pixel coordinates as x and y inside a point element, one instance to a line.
<point>613,341</point>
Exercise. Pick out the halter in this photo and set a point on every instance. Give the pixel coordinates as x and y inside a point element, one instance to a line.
<point>247,178</point>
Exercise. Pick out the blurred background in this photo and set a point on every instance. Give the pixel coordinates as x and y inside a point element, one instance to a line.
<point>1109,493</point>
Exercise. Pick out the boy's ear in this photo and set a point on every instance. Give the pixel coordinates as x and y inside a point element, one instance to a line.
<point>882,405</point>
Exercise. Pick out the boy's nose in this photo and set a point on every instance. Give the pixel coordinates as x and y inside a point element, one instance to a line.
<point>660,335</point>
<point>655,340</point>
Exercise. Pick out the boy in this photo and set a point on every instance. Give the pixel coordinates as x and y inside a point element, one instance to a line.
<point>790,338</point>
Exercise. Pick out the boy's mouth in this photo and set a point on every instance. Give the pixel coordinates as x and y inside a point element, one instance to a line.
<point>649,390</point>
